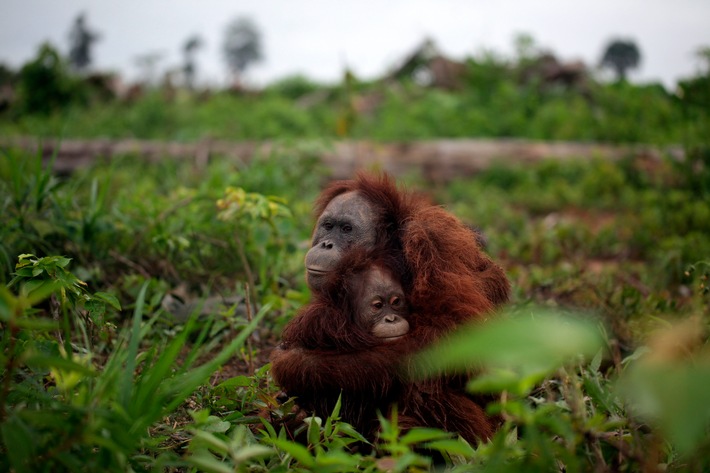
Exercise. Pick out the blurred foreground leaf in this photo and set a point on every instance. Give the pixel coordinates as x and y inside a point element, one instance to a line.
<point>516,350</point>
<point>669,385</point>
<point>674,397</point>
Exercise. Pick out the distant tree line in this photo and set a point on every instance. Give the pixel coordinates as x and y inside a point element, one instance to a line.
<point>533,94</point>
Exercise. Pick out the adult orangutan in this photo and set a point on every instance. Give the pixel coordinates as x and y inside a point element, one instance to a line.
<point>438,256</point>
<point>447,281</point>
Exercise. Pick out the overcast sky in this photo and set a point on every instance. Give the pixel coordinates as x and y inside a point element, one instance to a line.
<point>318,38</point>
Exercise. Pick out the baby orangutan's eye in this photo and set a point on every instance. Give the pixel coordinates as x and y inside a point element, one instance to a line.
<point>395,301</point>
<point>377,305</point>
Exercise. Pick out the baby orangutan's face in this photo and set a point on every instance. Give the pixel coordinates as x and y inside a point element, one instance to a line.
<point>382,306</point>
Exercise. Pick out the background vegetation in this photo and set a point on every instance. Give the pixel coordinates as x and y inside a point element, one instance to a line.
<point>139,301</point>
<point>532,95</point>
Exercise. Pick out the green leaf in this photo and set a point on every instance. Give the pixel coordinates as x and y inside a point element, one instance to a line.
<point>210,441</point>
<point>526,344</point>
<point>8,302</point>
<point>45,287</point>
<point>126,385</point>
<point>350,431</point>
<point>596,361</point>
<point>297,451</point>
<point>47,361</point>
<point>314,424</point>
<point>338,460</point>
<point>419,435</point>
<point>62,261</point>
<point>672,396</point>
<point>204,461</point>
<point>518,381</point>
<point>269,428</point>
<point>19,441</point>
<point>236,381</point>
<point>41,325</point>
<point>251,451</point>
<point>336,409</point>
<point>216,426</point>
<point>110,299</point>
<point>452,447</point>
<point>602,396</point>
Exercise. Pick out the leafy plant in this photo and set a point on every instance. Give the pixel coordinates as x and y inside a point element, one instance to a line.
<point>45,85</point>
<point>59,412</point>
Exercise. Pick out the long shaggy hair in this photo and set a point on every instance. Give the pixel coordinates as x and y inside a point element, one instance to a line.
<point>448,281</point>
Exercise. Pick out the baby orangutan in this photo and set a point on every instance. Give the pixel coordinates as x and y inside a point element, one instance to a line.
<point>352,342</point>
<point>380,305</point>
<point>346,343</point>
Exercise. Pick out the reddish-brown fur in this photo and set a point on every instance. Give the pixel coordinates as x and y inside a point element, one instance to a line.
<point>448,281</point>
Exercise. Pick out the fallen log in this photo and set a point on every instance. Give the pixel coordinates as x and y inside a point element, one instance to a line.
<point>437,160</point>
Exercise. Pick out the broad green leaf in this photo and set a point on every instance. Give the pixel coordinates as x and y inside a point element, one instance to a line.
<point>673,396</point>
<point>526,344</point>
<point>62,261</point>
<point>46,287</point>
<point>216,426</point>
<point>110,299</point>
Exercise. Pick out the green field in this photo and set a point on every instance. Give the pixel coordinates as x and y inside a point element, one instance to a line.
<point>99,373</point>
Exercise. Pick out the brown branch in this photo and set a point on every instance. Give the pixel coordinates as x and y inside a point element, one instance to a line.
<point>144,272</point>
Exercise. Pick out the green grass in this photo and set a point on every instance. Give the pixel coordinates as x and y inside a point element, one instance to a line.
<point>97,374</point>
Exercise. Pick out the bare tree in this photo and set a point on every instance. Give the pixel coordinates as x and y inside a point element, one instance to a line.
<point>242,46</point>
<point>621,55</point>
<point>189,49</point>
<point>80,42</point>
